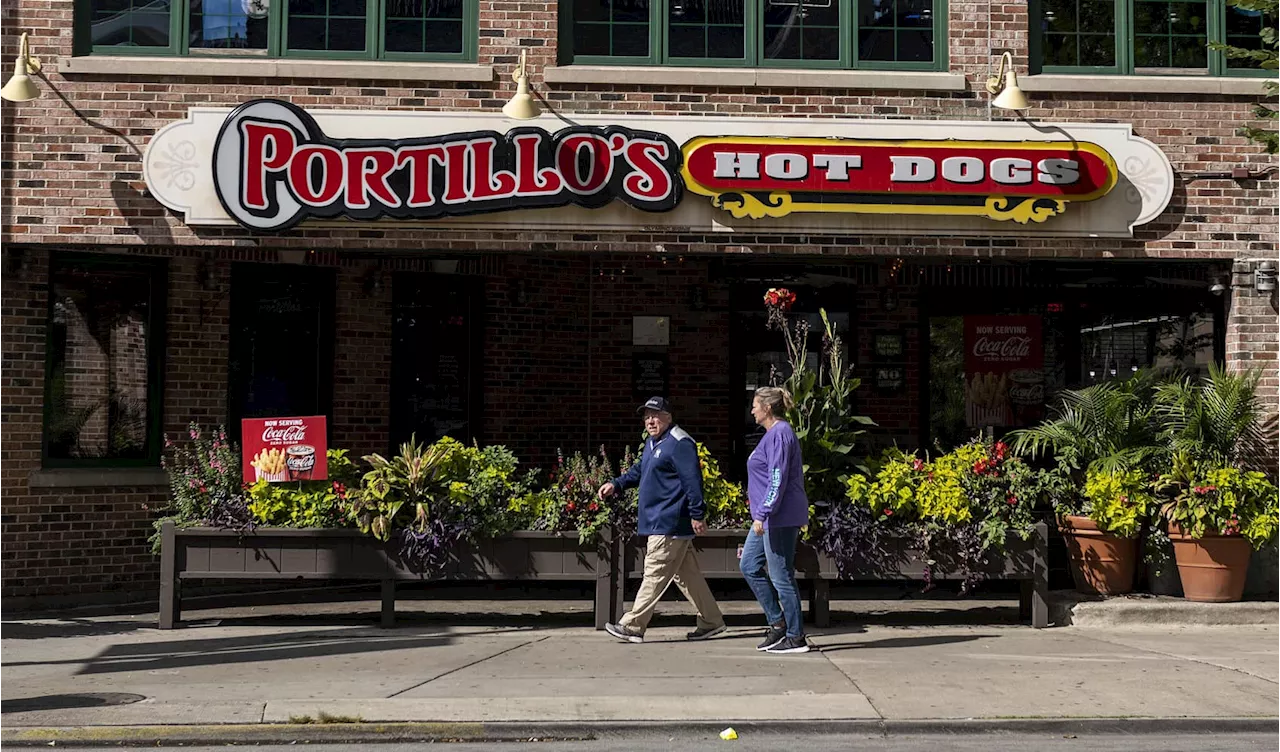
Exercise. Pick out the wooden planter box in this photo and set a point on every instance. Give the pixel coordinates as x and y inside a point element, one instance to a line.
<point>717,551</point>
<point>345,554</point>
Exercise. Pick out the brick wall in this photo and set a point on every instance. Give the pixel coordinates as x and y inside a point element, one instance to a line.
<point>557,367</point>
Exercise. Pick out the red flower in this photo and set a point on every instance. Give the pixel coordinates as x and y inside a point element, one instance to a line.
<point>888,513</point>
<point>592,507</point>
<point>1001,449</point>
<point>918,465</point>
<point>571,506</point>
<point>1013,500</point>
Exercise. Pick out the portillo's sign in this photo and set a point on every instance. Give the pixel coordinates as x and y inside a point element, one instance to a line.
<point>275,165</point>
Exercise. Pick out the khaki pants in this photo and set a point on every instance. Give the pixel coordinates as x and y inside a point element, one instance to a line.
<point>668,560</point>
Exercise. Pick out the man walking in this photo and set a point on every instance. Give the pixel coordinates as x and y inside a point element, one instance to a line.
<point>671,512</point>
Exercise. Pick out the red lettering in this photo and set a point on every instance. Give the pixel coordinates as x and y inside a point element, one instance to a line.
<point>534,180</point>
<point>455,173</point>
<point>420,159</point>
<point>367,171</point>
<point>486,182</point>
<point>331,175</point>
<point>599,163</point>
<point>649,179</point>
<point>257,164</point>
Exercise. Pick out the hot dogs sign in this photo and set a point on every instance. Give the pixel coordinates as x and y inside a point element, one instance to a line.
<point>274,165</point>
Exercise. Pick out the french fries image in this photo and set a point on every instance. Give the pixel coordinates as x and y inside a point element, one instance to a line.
<point>269,465</point>
<point>987,397</point>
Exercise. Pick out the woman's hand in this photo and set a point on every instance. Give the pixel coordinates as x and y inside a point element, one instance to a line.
<point>757,527</point>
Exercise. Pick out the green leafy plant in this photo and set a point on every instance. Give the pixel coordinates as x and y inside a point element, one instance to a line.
<point>405,485</point>
<point>727,506</point>
<point>1209,499</point>
<point>822,418</point>
<point>310,503</point>
<point>573,503</point>
<point>1118,501</point>
<point>485,481</point>
<point>1216,419</point>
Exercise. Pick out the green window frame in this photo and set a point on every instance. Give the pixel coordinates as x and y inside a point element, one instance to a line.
<point>388,34</point>
<point>661,31</point>
<point>1136,30</point>
<point>66,413</point>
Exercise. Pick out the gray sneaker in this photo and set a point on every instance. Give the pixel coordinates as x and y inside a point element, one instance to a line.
<point>624,634</point>
<point>772,638</point>
<point>705,634</point>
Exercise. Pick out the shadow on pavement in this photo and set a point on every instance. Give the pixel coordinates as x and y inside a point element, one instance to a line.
<point>902,642</point>
<point>69,702</point>
<point>25,630</point>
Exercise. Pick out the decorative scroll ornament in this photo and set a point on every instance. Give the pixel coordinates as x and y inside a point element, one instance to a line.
<point>1003,209</point>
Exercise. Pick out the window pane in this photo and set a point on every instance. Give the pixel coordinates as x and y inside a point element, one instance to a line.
<point>611,28</point>
<point>130,23</point>
<point>1078,32</point>
<point>228,24</point>
<point>1244,30</point>
<point>328,25</point>
<point>1170,34</point>
<point>423,26</point>
<point>693,23</point>
<point>802,30</point>
<point>895,30</point>
<point>98,376</point>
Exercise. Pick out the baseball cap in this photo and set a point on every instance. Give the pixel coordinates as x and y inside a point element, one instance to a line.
<point>656,403</point>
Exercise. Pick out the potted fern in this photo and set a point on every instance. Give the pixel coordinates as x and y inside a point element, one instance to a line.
<point>1217,503</point>
<point>1105,438</point>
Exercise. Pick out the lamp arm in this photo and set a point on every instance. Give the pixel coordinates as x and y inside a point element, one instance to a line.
<point>994,82</point>
<point>24,54</point>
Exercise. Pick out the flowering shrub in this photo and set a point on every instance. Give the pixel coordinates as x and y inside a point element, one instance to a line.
<point>1226,500</point>
<point>204,482</point>
<point>484,482</point>
<point>308,503</point>
<point>1118,501</point>
<point>573,504</point>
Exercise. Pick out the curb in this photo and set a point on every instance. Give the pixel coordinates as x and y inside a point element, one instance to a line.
<point>373,733</point>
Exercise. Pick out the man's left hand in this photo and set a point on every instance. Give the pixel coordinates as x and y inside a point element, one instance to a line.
<point>699,527</point>
<point>757,527</point>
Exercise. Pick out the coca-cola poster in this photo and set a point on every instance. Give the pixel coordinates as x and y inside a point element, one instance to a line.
<point>284,449</point>
<point>1004,370</point>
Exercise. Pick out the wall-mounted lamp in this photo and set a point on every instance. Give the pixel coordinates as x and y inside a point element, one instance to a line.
<point>521,106</point>
<point>517,293</point>
<point>1007,94</point>
<point>1264,277</point>
<point>371,282</point>
<point>21,88</point>
<point>1218,285</point>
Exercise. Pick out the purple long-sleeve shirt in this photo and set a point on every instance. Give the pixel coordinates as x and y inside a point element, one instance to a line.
<point>775,479</point>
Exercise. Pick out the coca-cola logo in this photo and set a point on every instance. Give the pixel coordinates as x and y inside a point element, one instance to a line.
<point>285,434</point>
<point>1009,347</point>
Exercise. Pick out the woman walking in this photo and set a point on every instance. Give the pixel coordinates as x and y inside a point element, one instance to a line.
<point>779,508</point>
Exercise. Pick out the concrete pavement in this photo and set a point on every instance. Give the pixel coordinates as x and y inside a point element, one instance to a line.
<point>522,663</point>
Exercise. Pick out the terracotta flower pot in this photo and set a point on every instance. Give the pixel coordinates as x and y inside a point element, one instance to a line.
<point>1100,562</point>
<point>1213,568</point>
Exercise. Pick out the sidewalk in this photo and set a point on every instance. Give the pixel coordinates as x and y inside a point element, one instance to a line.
<point>523,663</point>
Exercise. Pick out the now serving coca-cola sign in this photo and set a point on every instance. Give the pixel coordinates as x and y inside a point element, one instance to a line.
<point>284,449</point>
<point>1004,370</point>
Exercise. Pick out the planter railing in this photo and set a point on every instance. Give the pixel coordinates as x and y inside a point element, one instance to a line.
<point>345,554</point>
<point>718,554</point>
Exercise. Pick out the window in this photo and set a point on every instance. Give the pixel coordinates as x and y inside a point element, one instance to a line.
<point>355,29</point>
<point>103,373</point>
<point>282,341</point>
<point>1142,36</point>
<point>750,33</point>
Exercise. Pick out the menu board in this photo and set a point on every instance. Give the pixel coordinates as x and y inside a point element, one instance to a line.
<point>649,376</point>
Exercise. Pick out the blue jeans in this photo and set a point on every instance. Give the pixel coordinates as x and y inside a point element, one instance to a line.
<point>769,564</point>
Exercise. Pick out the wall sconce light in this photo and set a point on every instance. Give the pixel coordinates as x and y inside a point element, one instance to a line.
<point>21,88</point>
<point>1007,94</point>
<point>1218,285</point>
<point>371,282</point>
<point>204,275</point>
<point>1264,277</point>
<point>521,106</point>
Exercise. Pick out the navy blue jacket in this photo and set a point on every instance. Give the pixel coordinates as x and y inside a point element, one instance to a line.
<point>670,480</point>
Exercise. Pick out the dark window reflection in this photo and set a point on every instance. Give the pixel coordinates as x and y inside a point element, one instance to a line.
<point>130,23</point>
<point>802,30</point>
<point>1244,30</point>
<point>228,24</point>
<point>338,25</point>
<point>1170,34</point>
<point>1078,32</point>
<point>424,26</point>
<point>707,29</point>
<point>895,30</point>
<point>611,28</point>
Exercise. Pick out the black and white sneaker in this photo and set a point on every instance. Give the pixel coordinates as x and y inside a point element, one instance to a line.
<point>790,645</point>
<point>705,634</point>
<point>624,634</point>
<point>772,638</point>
